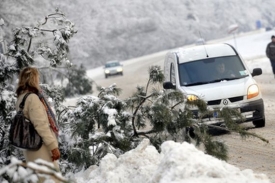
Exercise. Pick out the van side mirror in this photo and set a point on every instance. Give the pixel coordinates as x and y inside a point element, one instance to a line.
<point>168,85</point>
<point>256,72</point>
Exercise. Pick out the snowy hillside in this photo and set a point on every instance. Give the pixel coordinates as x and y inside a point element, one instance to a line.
<point>124,29</point>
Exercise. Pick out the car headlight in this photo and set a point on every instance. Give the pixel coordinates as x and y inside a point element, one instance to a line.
<point>119,69</point>
<point>252,91</point>
<point>107,71</point>
<point>192,97</point>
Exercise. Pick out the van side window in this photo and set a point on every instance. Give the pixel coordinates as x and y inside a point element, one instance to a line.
<point>172,74</point>
<point>184,75</point>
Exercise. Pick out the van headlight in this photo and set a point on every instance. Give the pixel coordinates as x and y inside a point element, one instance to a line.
<point>107,71</point>
<point>119,69</point>
<point>252,91</point>
<point>192,97</point>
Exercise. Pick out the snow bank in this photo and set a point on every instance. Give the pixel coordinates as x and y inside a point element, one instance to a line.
<point>178,162</point>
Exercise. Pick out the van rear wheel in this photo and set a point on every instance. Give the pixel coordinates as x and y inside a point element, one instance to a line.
<point>259,123</point>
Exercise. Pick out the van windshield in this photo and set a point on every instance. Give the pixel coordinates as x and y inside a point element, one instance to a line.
<point>211,70</point>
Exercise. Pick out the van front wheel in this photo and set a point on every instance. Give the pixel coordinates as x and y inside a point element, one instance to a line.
<point>259,123</point>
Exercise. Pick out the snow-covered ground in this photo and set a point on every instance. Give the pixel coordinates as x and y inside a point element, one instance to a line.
<point>180,162</point>
<point>177,163</point>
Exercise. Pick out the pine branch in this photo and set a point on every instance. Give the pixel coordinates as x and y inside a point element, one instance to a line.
<point>49,16</point>
<point>218,127</point>
<point>148,132</point>
<point>47,30</point>
<point>134,115</point>
<point>244,133</point>
<point>147,86</point>
<point>30,43</point>
<point>37,171</point>
<point>176,105</point>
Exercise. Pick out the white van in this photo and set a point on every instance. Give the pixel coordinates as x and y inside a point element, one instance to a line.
<point>216,74</point>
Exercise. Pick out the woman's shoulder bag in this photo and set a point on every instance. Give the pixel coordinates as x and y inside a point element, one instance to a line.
<point>22,132</point>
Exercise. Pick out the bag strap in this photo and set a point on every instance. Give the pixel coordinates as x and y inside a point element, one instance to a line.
<point>21,106</point>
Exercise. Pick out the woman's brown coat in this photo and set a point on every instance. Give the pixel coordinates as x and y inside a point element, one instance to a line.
<point>36,112</point>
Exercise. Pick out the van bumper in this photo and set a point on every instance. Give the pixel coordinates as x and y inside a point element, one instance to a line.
<point>254,109</point>
<point>251,111</point>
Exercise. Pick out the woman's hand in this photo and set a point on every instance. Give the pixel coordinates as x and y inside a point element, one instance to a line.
<point>55,154</point>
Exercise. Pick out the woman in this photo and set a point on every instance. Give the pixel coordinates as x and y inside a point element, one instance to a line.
<point>38,111</point>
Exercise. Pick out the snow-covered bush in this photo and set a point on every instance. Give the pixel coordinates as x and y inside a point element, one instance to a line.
<point>44,46</point>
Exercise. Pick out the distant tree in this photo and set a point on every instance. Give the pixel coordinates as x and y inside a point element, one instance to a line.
<point>78,83</point>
